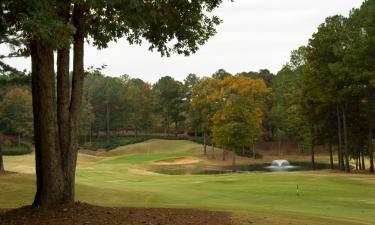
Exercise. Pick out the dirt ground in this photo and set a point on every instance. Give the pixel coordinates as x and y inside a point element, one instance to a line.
<point>85,214</point>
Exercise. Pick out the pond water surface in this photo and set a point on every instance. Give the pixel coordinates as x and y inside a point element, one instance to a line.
<point>198,170</point>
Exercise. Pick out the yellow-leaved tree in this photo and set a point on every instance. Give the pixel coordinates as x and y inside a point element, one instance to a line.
<point>240,103</point>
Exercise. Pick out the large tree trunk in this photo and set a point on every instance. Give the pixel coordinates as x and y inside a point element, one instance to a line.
<point>56,121</point>
<point>48,160</point>
<point>346,152</point>
<point>339,148</point>
<point>70,154</point>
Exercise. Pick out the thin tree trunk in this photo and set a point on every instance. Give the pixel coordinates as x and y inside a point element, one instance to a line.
<point>48,162</point>
<point>346,152</point>
<point>312,155</point>
<point>339,149</point>
<point>330,154</point>
<point>107,122</point>
<point>1,159</point>
<point>370,144</point>
<point>224,158</point>
<point>253,147</point>
<point>363,160</point>
<point>371,152</point>
<point>356,164</point>
<point>213,150</point>
<point>70,153</point>
<point>90,134</point>
<point>234,161</point>
<point>19,139</point>
<point>204,144</point>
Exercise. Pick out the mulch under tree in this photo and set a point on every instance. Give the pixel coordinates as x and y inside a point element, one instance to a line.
<point>85,214</point>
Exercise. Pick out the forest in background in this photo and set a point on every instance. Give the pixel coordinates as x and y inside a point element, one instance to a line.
<point>323,96</point>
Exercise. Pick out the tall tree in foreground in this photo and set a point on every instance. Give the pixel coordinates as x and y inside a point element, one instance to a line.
<point>46,26</point>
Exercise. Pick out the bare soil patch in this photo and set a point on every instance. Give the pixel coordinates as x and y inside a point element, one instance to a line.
<point>84,214</point>
<point>176,161</point>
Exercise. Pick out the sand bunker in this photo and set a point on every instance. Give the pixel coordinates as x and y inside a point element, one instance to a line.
<point>176,161</point>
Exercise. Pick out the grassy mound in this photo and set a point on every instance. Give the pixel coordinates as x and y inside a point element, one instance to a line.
<point>15,149</point>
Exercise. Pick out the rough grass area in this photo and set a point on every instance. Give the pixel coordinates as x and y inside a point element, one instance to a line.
<point>15,149</point>
<point>324,197</point>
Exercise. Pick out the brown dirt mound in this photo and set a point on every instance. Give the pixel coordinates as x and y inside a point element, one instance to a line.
<point>84,214</point>
<point>176,161</point>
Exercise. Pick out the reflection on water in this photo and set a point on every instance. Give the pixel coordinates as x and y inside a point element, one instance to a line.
<point>196,170</point>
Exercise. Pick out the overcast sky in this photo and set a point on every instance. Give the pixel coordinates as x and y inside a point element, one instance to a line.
<point>255,34</point>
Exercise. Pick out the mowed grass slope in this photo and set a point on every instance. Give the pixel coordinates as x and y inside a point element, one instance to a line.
<point>119,178</point>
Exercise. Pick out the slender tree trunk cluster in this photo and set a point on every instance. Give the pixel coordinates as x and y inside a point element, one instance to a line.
<point>343,151</point>
<point>56,108</point>
<point>371,124</point>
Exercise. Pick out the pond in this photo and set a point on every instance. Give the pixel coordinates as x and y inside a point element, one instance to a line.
<point>198,170</point>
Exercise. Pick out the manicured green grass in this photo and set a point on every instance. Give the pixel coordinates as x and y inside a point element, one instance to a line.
<point>15,149</point>
<point>324,197</point>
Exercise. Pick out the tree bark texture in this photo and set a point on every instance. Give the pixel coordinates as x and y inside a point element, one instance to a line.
<point>49,170</point>
<point>57,110</point>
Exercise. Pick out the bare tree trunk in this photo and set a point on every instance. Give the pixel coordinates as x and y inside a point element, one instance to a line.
<point>371,121</point>
<point>253,147</point>
<point>356,163</point>
<point>371,152</point>
<point>107,122</point>
<point>1,159</point>
<point>204,144</point>
<point>330,154</point>
<point>313,154</point>
<point>49,170</point>
<point>224,158</point>
<point>363,160</point>
<point>70,154</point>
<point>339,149</point>
<point>234,161</point>
<point>346,152</point>
<point>90,134</point>
<point>213,150</point>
